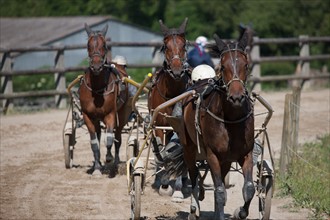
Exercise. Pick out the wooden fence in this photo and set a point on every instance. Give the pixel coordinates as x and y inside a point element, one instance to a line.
<point>60,94</point>
<point>290,131</point>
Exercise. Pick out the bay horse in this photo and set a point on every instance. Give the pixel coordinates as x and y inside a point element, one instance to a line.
<point>102,95</point>
<point>219,128</point>
<point>168,82</point>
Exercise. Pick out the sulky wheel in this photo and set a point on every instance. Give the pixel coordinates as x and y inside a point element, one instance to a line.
<point>265,189</point>
<point>265,197</point>
<point>227,180</point>
<point>136,190</point>
<point>68,151</point>
<point>132,148</point>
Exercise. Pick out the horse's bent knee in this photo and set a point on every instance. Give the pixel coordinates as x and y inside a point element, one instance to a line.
<point>220,195</point>
<point>248,191</point>
<point>95,145</point>
<point>109,138</point>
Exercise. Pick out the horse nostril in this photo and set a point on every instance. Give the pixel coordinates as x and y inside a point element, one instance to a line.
<point>237,99</point>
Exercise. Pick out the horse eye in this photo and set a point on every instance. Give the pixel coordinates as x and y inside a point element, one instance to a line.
<point>222,68</point>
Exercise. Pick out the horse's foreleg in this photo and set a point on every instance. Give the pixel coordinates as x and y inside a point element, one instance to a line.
<point>248,187</point>
<point>95,145</point>
<point>93,129</point>
<point>109,135</point>
<point>220,195</point>
<point>109,139</point>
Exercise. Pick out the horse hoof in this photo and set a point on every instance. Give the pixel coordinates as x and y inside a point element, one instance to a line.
<point>97,173</point>
<point>240,213</point>
<point>192,216</point>
<point>177,197</point>
<point>168,191</point>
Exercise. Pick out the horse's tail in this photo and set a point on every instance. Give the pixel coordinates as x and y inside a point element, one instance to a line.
<point>172,156</point>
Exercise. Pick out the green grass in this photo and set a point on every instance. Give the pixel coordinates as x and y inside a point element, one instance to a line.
<point>308,179</point>
<point>138,74</point>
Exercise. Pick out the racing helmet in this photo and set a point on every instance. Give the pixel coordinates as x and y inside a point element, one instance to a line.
<point>120,60</point>
<point>201,40</point>
<point>202,71</point>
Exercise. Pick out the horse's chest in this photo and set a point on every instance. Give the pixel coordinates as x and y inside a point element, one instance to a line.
<point>98,106</point>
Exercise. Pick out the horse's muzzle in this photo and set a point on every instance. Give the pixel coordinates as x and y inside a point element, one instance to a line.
<point>237,99</point>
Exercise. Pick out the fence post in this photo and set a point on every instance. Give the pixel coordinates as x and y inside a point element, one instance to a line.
<point>303,67</point>
<point>255,55</point>
<point>286,140</point>
<point>6,81</point>
<point>295,110</point>
<point>60,82</point>
<point>289,146</point>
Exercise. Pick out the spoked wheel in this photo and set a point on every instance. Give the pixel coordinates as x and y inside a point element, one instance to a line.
<point>136,190</point>
<point>265,197</point>
<point>68,151</point>
<point>132,148</point>
<point>265,190</point>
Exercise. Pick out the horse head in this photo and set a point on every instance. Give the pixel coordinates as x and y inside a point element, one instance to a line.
<point>234,68</point>
<point>174,49</point>
<point>97,48</point>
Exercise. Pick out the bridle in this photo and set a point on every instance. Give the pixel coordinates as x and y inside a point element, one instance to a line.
<point>183,60</point>
<point>234,65</point>
<point>97,53</point>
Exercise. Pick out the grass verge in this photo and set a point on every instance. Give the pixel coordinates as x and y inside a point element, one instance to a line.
<point>308,178</point>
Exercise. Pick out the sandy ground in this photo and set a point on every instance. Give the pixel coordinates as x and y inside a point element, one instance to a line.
<point>34,183</point>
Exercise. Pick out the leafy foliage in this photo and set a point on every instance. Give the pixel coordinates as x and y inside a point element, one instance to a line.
<point>269,18</point>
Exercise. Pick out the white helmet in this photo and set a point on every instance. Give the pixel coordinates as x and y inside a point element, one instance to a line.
<point>202,71</point>
<point>120,60</point>
<point>201,40</point>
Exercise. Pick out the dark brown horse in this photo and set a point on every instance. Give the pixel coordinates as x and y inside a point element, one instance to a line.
<point>101,96</point>
<point>219,128</point>
<point>170,81</point>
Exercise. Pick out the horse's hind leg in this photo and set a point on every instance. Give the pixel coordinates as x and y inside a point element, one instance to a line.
<point>248,187</point>
<point>117,144</point>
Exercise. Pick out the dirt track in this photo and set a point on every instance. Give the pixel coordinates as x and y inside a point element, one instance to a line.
<point>35,185</point>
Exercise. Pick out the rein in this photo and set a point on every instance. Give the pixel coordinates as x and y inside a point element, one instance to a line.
<point>229,122</point>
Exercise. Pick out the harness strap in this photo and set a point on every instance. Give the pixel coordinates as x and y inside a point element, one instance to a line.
<point>229,122</point>
<point>197,124</point>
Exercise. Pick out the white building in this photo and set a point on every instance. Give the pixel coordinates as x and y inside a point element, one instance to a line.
<point>51,31</point>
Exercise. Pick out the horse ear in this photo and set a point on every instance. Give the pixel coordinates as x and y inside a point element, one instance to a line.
<point>88,29</point>
<point>243,41</point>
<point>104,30</point>
<point>182,28</point>
<point>163,28</point>
<point>221,45</point>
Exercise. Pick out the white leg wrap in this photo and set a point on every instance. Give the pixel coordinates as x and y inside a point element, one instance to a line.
<point>109,139</point>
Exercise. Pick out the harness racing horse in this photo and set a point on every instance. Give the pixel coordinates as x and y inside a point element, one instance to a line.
<point>170,81</point>
<point>102,95</point>
<point>219,128</point>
